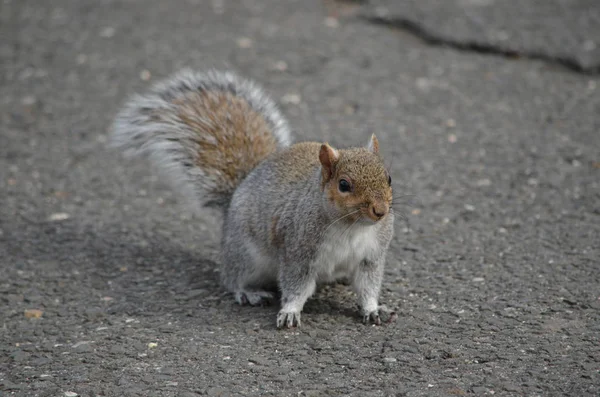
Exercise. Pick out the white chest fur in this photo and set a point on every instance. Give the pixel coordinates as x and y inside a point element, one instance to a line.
<point>343,249</point>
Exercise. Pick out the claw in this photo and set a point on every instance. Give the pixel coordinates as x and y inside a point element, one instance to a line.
<point>376,319</point>
<point>288,319</point>
<point>375,316</point>
<point>372,317</point>
<point>241,298</point>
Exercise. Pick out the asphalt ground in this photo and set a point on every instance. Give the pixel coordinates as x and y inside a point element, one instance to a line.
<point>109,283</point>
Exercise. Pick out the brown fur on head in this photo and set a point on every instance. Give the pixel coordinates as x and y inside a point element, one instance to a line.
<point>356,181</point>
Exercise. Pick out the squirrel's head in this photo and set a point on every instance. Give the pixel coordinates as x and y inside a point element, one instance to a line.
<point>356,182</point>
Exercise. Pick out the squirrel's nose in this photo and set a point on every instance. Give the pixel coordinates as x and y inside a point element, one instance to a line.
<point>378,211</point>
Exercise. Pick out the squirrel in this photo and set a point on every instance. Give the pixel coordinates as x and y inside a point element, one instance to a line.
<point>294,214</point>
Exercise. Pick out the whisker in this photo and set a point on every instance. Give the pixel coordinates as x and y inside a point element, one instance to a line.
<point>411,200</point>
<point>390,165</point>
<point>425,236</point>
<point>348,228</point>
<point>405,195</point>
<point>341,233</point>
<point>400,206</point>
<point>401,216</point>
<point>339,219</point>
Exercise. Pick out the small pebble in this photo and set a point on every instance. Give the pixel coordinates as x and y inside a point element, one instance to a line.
<point>478,279</point>
<point>452,138</point>
<point>450,123</point>
<point>33,313</point>
<point>331,22</point>
<point>29,100</point>
<point>293,99</point>
<point>280,66</point>
<point>416,211</point>
<point>79,344</point>
<point>218,6</point>
<point>244,42</point>
<point>145,75</point>
<point>60,194</point>
<point>152,345</point>
<point>483,182</point>
<point>469,207</point>
<point>422,83</point>
<point>70,394</point>
<point>59,216</point>
<point>389,360</point>
<point>589,45</point>
<point>26,73</point>
<point>350,109</point>
<point>107,32</point>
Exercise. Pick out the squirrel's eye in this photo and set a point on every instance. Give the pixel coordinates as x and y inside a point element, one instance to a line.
<point>389,180</point>
<point>344,186</point>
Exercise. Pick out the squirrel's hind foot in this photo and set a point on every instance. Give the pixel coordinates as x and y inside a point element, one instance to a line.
<point>254,298</point>
<point>381,315</point>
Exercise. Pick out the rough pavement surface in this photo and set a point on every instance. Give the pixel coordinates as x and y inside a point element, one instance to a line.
<point>561,31</point>
<point>109,283</point>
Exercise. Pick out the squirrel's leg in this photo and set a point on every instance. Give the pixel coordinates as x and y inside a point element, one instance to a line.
<point>367,284</point>
<point>297,284</point>
<point>251,281</point>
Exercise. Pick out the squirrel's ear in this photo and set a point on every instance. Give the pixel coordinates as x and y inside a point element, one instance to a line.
<point>328,156</point>
<point>373,145</point>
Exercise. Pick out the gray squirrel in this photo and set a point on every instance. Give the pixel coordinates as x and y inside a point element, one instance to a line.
<point>295,215</point>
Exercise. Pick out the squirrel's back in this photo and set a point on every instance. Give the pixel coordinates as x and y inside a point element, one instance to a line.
<point>207,131</point>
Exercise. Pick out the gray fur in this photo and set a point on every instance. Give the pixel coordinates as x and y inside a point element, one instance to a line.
<point>313,243</point>
<point>252,264</point>
<point>171,144</point>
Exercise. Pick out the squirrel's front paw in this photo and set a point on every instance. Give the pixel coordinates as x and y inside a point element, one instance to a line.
<point>288,319</point>
<point>380,315</point>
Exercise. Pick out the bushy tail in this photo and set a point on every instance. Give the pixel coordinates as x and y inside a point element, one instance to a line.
<point>205,131</point>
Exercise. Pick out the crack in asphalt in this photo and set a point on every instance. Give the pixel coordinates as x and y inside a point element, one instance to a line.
<point>432,39</point>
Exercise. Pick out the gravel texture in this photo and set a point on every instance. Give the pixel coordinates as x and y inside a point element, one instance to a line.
<point>109,283</point>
